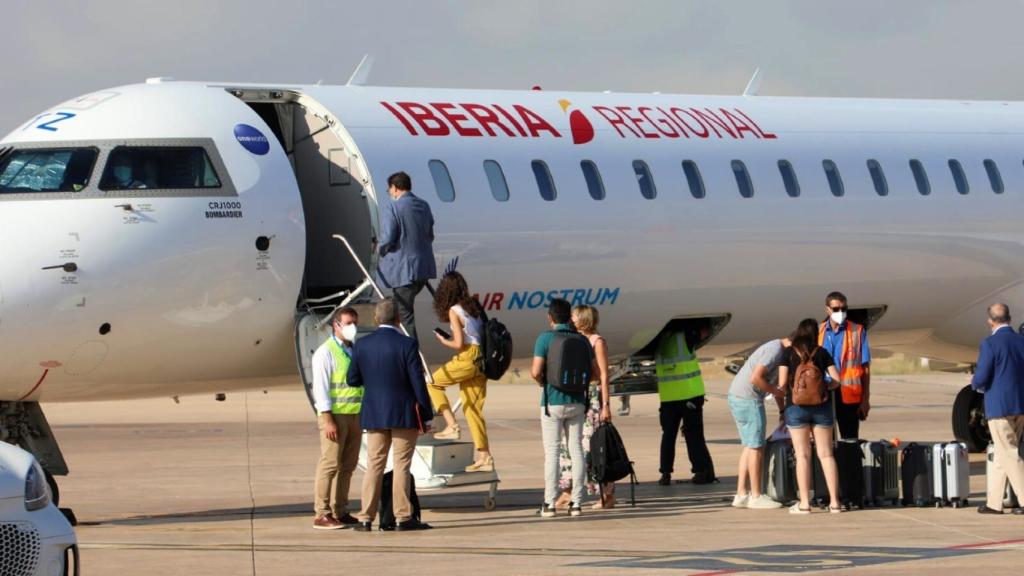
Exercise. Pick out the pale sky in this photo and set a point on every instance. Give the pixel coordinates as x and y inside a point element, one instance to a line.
<point>879,48</point>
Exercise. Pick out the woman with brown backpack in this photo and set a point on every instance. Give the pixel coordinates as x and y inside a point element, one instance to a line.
<point>802,375</point>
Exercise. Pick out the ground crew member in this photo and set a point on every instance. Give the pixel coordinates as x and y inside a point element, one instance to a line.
<point>847,342</point>
<point>681,390</point>
<point>337,406</point>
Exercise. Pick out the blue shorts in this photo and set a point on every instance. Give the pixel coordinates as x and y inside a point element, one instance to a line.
<point>820,416</point>
<point>750,420</point>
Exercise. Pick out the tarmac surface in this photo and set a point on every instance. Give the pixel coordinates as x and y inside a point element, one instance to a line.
<point>206,487</point>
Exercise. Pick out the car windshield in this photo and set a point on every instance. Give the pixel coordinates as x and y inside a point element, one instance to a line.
<point>46,170</point>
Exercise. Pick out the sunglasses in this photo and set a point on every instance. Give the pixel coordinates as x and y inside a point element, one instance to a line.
<point>839,308</point>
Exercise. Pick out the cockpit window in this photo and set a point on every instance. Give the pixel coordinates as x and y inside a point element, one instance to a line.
<point>46,170</point>
<point>158,168</point>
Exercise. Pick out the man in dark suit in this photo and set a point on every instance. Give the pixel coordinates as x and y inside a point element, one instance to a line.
<point>406,246</point>
<point>1000,377</point>
<point>395,410</point>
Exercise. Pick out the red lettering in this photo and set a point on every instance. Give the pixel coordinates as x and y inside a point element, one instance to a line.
<point>511,119</point>
<point>486,117</point>
<point>496,299</point>
<point>615,120</point>
<point>636,121</point>
<point>765,135</point>
<point>401,118</point>
<point>738,124</point>
<point>429,123</point>
<point>535,123</point>
<point>643,110</point>
<point>709,119</point>
<point>703,133</point>
<point>668,118</point>
<point>454,119</point>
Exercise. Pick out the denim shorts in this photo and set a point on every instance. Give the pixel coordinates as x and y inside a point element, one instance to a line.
<point>801,416</point>
<point>750,420</point>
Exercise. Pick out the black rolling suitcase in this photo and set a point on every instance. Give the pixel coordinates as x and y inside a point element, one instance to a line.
<point>917,475</point>
<point>778,474</point>
<point>881,473</point>
<point>850,462</point>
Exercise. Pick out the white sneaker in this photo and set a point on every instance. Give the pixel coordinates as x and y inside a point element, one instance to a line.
<point>763,502</point>
<point>740,501</point>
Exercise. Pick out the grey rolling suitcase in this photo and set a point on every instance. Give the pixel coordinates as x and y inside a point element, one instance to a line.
<point>1009,496</point>
<point>881,473</point>
<point>951,475</point>
<point>778,473</point>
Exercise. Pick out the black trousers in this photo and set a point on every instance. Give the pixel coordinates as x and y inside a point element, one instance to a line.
<point>691,414</point>
<point>847,418</point>
<point>405,297</point>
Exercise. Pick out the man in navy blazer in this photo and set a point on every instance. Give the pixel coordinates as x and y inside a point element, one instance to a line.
<point>1000,377</point>
<point>406,246</point>
<point>395,411</point>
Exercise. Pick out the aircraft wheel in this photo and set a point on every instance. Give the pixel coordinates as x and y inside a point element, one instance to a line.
<point>969,423</point>
<point>490,503</point>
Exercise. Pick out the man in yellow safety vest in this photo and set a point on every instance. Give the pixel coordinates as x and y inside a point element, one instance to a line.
<point>337,406</point>
<point>681,390</point>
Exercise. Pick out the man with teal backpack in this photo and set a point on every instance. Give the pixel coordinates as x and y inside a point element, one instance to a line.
<point>337,406</point>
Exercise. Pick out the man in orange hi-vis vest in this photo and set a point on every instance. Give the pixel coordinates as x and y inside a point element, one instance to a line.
<point>847,342</point>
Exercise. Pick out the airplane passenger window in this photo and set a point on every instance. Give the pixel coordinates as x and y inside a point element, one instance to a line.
<point>594,183</point>
<point>959,178</point>
<point>46,170</point>
<point>442,180</point>
<point>835,181</point>
<point>544,181</point>
<point>643,177</point>
<point>920,177</point>
<point>693,179</point>
<point>789,178</point>
<point>496,178</point>
<point>158,168</point>
<point>739,170</point>
<point>994,178</point>
<point>878,178</point>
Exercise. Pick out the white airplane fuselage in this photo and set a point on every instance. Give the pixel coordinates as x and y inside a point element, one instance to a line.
<point>169,293</point>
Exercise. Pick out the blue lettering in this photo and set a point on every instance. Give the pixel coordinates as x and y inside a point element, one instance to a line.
<point>536,300</point>
<point>577,297</point>
<point>610,296</point>
<point>593,297</point>
<point>551,296</point>
<point>517,301</point>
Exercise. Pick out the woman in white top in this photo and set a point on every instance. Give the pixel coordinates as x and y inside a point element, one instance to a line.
<point>454,303</point>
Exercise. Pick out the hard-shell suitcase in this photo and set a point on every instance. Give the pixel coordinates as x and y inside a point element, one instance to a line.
<point>917,475</point>
<point>1009,496</point>
<point>881,473</point>
<point>952,474</point>
<point>850,462</point>
<point>778,475</point>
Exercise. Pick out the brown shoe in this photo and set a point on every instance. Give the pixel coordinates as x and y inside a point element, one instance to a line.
<point>485,464</point>
<point>327,522</point>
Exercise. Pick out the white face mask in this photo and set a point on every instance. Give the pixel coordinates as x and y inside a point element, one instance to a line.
<point>839,317</point>
<point>348,333</point>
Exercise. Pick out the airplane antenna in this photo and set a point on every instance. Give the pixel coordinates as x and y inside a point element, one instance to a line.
<point>754,86</point>
<point>362,72</point>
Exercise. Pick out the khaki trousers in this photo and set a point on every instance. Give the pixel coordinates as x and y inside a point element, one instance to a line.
<point>378,442</point>
<point>338,459</point>
<point>1007,463</point>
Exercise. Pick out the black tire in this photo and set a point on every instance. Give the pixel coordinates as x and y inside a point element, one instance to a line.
<point>54,490</point>
<point>969,423</point>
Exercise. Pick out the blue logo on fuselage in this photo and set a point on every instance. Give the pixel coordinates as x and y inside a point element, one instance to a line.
<point>252,139</point>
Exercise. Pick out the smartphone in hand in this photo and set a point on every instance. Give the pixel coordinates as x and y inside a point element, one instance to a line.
<point>442,334</point>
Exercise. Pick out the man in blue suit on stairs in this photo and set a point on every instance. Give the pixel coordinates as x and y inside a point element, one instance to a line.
<point>396,410</point>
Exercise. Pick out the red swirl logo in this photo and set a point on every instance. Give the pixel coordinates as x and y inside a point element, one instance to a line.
<point>580,126</point>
